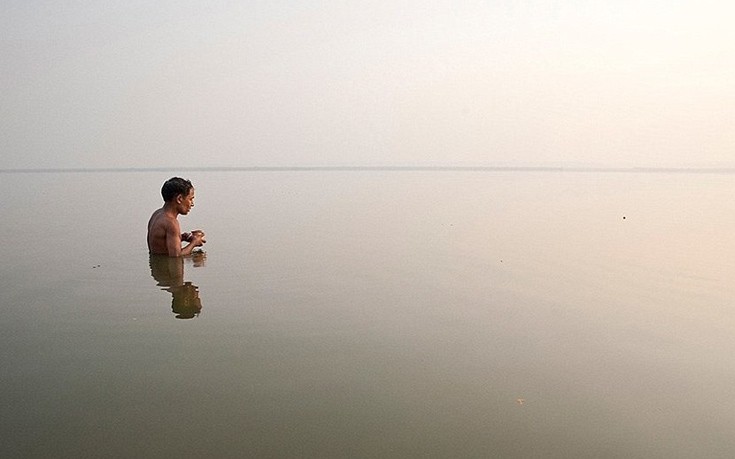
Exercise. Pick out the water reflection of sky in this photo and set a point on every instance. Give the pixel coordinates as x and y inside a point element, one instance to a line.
<point>371,313</point>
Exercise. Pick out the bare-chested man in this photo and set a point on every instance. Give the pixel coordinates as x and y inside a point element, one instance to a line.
<point>164,233</point>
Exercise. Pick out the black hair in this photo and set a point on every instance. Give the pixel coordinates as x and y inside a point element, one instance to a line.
<point>175,186</point>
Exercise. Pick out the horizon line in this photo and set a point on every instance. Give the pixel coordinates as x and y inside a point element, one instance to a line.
<point>395,168</point>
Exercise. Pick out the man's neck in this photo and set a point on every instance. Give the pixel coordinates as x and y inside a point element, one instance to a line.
<point>169,208</point>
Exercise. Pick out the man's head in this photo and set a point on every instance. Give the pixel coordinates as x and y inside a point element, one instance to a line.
<point>175,186</point>
<point>180,192</point>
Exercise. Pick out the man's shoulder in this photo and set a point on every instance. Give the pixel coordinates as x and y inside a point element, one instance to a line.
<point>161,218</point>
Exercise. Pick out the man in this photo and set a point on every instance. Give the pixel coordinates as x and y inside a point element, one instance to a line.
<point>164,233</point>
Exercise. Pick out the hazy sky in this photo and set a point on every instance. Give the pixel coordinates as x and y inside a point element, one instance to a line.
<point>246,83</point>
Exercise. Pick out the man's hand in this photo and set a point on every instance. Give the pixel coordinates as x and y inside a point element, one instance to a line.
<point>197,238</point>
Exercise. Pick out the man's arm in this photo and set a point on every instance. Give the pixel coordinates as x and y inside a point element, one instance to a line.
<point>173,239</point>
<point>173,242</point>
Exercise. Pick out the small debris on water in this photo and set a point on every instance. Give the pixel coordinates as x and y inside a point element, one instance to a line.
<point>623,217</point>
<point>95,266</point>
<point>520,401</point>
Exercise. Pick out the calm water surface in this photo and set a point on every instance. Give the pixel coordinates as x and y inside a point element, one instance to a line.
<point>371,314</point>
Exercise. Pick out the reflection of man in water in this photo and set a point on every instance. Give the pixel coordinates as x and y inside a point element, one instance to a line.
<point>169,275</point>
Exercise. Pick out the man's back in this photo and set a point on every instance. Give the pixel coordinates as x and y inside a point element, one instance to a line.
<point>159,226</point>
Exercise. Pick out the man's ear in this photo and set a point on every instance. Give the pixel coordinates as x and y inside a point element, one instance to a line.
<point>179,198</point>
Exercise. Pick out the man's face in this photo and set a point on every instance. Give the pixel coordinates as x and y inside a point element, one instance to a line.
<point>186,202</point>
